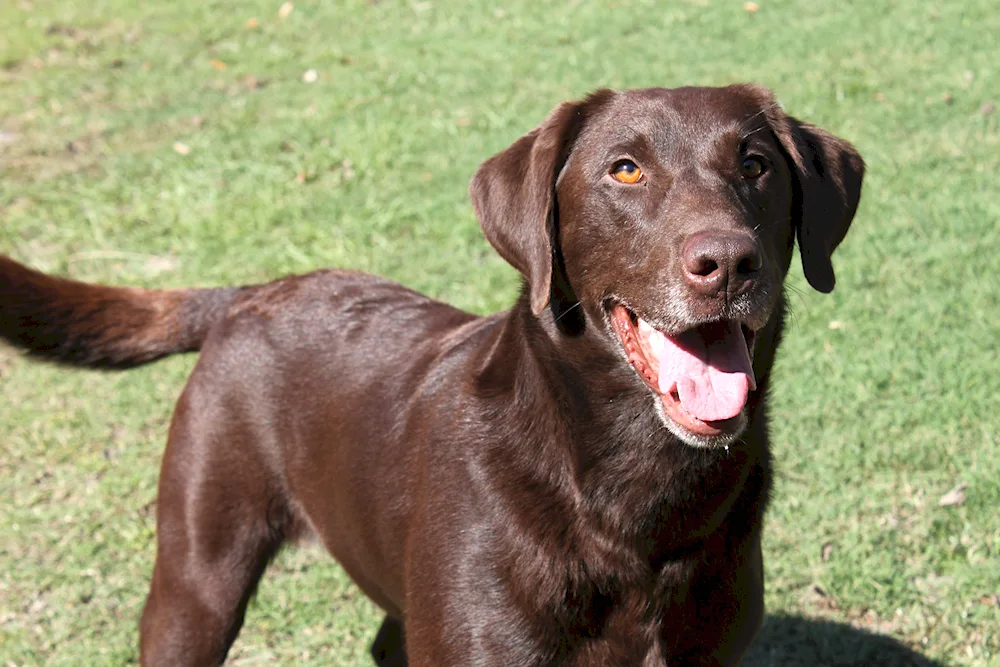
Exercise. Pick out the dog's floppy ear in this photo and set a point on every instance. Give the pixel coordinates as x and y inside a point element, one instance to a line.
<point>827,174</point>
<point>513,194</point>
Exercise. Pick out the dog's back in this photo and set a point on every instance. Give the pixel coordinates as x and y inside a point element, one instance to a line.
<point>116,328</point>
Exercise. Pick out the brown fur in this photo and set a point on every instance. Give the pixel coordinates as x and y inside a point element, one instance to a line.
<point>99,326</point>
<point>503,487</point>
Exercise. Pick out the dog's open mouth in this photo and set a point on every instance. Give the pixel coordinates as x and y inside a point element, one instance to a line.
<point>703,376</point>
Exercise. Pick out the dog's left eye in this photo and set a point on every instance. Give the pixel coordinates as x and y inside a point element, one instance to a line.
<point>626,171</point>
<point>752,167</point>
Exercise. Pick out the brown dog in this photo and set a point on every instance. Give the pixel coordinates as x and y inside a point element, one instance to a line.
<point>578,481</point>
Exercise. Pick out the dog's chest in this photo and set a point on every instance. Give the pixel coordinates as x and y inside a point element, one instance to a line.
<point>607,607</point>
<point>619,632</point>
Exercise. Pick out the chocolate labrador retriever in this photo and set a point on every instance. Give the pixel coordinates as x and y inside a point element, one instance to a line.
<point>577,481</point>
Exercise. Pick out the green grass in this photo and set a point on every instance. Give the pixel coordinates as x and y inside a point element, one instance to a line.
<point>888,390</point>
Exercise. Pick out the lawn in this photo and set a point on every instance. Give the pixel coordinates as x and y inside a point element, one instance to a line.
<point>199,142</point>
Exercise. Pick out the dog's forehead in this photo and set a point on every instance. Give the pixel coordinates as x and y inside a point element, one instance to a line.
<point>675,117</point>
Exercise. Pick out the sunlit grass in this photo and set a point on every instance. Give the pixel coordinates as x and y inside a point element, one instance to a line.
<point>178,143</point>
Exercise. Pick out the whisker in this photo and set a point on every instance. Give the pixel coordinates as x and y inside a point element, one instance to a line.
<point>763,111</point>
<point>567,311</point>
<point>753,132</point>
<point>792,312</point>
<point>744,126</point>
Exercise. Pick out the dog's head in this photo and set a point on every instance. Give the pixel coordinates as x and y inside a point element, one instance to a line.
<point>671,216</point>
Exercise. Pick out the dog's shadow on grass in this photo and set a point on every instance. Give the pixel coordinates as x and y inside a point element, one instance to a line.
<point>791,641</point>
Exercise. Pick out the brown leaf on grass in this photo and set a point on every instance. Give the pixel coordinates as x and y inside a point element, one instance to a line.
<point>751,7</point>
<point>988,108</point>
<point>251,24</point>
<point>954,497</point>
<point>219,65</point>
<point>62,29</point>
<point>252,82</point>
<point>868,619</point>
<point>285,9</point>
<point>826,552</point>
<point>815,596</point>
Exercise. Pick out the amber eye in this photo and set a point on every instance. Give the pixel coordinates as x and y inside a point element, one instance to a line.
<point>626,171</point>
<point>752,167</point>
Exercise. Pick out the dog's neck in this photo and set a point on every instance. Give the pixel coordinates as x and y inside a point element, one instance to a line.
<point>599,455</point>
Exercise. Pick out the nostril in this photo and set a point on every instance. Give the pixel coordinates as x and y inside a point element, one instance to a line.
<point>749,264</point>
<point>703,266</point>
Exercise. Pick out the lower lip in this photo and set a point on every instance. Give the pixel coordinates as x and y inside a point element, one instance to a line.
<point>672,406</point>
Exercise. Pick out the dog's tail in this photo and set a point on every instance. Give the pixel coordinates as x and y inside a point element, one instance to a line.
<point>98,326</point>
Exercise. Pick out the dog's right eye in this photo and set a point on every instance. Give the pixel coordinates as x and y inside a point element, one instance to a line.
<point>752,167</point>
<point>626,171</point>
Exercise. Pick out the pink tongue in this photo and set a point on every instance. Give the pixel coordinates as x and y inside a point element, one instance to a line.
<point>709,366</point>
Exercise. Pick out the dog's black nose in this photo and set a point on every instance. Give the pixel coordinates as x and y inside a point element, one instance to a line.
<point>715,263</point>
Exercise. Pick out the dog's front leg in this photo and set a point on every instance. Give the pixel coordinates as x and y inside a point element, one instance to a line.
<point>722,611</point>
<point>388,649</point>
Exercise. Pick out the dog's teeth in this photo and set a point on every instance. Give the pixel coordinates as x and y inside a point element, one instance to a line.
<point>656,341</point>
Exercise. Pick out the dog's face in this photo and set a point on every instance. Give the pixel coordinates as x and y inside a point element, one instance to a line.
<point>673,216</point>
